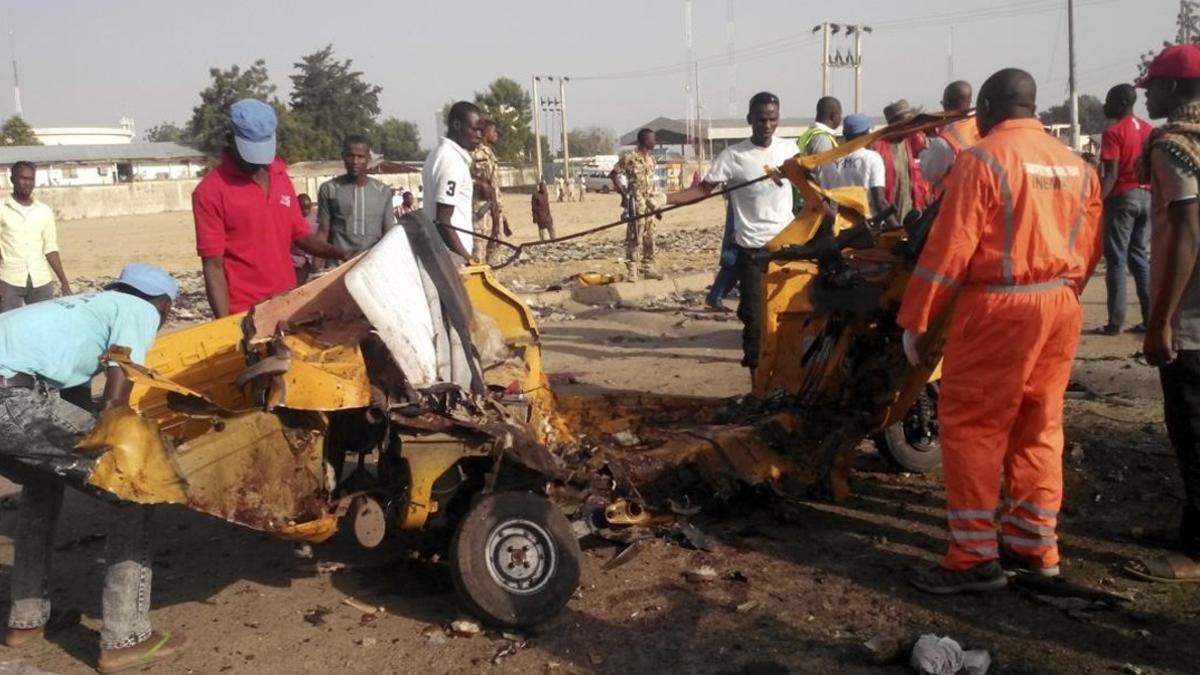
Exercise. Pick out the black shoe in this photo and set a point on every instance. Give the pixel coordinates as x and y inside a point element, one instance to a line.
<point>1139,329</point>
<point>988,576</point>
<point>1109,330</point>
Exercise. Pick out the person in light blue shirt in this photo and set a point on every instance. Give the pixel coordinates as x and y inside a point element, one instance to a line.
<point>45,348</point>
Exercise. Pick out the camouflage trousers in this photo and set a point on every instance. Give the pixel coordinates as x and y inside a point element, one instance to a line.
<point>38,424</point>
<point>639,236</point>
<point>484,250</point>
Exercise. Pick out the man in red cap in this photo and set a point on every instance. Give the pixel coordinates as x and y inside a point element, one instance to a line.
<point>1171,163</point>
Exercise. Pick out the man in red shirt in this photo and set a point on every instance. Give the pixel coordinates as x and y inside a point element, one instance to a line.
<point>247,216</point>
<point>1126,208</point>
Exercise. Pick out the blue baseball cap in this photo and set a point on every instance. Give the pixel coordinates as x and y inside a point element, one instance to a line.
<point>254,130</point>
<point>856,124</point>
<point>148,280</point>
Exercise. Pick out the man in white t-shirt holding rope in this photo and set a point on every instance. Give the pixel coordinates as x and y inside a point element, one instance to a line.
<point>760,211</point>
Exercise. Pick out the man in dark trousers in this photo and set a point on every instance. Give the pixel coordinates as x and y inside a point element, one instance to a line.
<point>1126,207</point>
<point>1173,330</point>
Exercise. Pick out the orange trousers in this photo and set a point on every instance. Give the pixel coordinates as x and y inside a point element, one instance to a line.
<point>1006,366</point>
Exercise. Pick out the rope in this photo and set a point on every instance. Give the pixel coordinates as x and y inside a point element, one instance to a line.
<point>518,248</point>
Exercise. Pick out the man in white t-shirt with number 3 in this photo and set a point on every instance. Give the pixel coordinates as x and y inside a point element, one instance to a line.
<point>760,211</point>
<point>446,179</point>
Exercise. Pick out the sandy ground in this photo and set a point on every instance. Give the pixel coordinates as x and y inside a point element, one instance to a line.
<point>101,246</point>
<point>818,580</point>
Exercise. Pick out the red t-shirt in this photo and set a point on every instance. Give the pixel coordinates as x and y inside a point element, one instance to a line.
<point>1123,142</point>
<point>252,230</point>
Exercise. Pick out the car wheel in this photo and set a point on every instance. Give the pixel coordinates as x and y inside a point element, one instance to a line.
<point>913,444</point>
<point>514,560</point>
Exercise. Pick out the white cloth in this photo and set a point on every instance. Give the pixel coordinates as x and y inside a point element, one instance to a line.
<point>861,168</point>
<point>446,179</point>
<point>764,209</point>
<point>27,234</point>
<point>936,160</point>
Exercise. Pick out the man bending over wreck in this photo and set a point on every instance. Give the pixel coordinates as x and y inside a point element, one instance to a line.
<point>44,348</point>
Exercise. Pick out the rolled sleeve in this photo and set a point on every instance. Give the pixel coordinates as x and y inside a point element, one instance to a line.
<point>137,333</point>
<point>448,182</point>
<point>209,217</point>
<point>50,235</point>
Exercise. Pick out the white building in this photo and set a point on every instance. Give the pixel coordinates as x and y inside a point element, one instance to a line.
<point>103,164</point>
<point>124,133</point>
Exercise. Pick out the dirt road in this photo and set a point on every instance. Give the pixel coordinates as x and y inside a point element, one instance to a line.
<point>798,590</point>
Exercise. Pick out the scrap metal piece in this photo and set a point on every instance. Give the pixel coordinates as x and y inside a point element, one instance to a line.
<point>368,521</point>
<point>625,512</point>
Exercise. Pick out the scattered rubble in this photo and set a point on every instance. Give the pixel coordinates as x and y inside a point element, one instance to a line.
<point>934,655</point>
<point>190,307</point>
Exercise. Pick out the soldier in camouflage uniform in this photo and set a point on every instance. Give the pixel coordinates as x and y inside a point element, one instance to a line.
<point>484,169</point>
<point>638,168</point>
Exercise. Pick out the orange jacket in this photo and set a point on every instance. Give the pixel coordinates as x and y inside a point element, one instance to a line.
<point>961,135</point>
<point>1021,214</point>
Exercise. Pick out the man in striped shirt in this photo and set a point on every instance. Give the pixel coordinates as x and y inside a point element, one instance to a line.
<point>354,210</point>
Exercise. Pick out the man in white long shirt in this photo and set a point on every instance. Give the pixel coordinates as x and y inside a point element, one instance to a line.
<point>760,211</point>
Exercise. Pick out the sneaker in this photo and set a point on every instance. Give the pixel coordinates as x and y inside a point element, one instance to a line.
<point>1013,563</point>
<point>988,576</point>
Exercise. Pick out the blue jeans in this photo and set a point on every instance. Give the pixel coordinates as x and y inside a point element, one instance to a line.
<point>727,276</point>
<point>1126,245</point>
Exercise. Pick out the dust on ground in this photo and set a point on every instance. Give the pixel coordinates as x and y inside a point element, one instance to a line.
<point>798,588</point>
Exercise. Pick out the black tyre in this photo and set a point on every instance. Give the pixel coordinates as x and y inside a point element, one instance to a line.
<point>514,560</point>
<point>912,444</point>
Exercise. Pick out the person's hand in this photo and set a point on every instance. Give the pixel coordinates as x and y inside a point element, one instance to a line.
<point>775,174</point>
<point>910,347</point>
<point>1158,345</point>
<point>345,255</point>
<point>507,227</point>
<point>66,288</point>
<point>658,215</point>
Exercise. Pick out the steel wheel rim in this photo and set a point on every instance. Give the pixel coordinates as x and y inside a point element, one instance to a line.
<point>521,556</point>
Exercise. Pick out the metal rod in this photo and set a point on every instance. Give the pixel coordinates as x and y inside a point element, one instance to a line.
<point>562,101</point>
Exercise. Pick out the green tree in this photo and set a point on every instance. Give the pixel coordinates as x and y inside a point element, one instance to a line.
<point>333,98</point>
<point>507,104</point>
<point>1091,114</point>
<point>298,140</point>
<point>166,132</point>
<point>210,119</point>
<point>16,131</point>
<point>398,139</point>
<point>591,141</point>
<point>1187,31</point>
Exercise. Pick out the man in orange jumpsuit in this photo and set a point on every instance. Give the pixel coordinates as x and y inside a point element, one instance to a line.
<point>1016,240</point>
<point>955,137</point>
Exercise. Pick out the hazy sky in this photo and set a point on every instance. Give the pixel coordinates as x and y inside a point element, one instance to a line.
<point>88,62</point>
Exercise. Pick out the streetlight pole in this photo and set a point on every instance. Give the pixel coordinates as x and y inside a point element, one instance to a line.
<point>562,100</point>
<point>1074,90</point>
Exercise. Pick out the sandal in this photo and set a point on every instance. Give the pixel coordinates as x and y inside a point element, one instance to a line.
<point>154,649</point>
<point>1167,569</point>
<point>16,638</point>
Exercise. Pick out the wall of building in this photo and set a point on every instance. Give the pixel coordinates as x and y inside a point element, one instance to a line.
<point>160,196</point>
<point>83,135</point>
<point>104,173</point>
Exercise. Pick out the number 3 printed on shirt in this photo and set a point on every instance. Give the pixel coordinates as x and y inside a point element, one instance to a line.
<point>450,187</point>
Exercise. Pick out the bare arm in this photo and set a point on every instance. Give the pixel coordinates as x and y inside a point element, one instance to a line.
<point>216,286</point>
<point>116,387</point>
<point>315,245</point>
<point>56,264</point>
<point>1108,177</point>
<point>445,212</point>
<point>1180,252</point>
<point>699,191</point>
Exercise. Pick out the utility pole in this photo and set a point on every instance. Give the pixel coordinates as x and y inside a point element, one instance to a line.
<point>689,105</point>
<point>950,57</point>
<point>1074,91</point>
<point>12,45</point>
<point>858,102</point>
<point>537,129</point>
<point>730,57</point>
<point>826,83</point>
<point>562,100</point>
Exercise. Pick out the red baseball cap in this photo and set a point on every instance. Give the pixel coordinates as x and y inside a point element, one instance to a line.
<point>1177,62</point>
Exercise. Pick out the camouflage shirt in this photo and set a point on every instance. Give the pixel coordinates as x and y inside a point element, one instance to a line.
<point>639,168</point>
<point>484,168</point>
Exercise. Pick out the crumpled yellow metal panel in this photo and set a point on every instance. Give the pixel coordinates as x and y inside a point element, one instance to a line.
<point>135,465</point>
<point>323,377</point>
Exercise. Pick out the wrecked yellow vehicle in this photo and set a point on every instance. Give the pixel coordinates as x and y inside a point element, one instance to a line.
<point>399,392</point>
